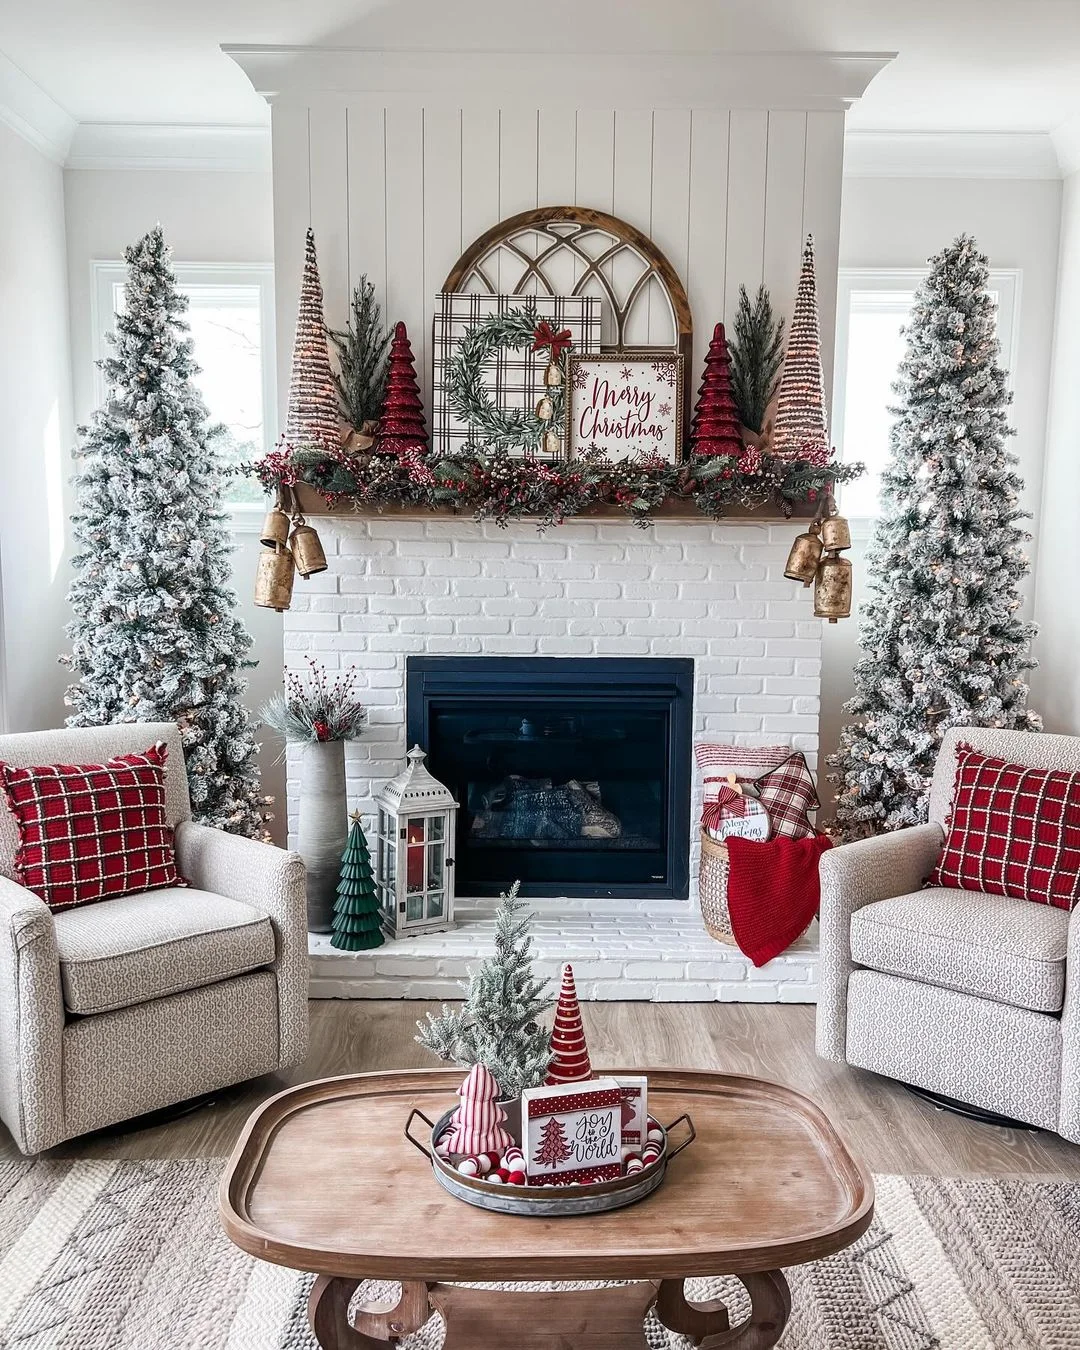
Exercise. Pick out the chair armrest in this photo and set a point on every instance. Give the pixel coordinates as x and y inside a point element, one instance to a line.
<point>852,876</point>
<point>1069,1122</point>
<point>31,1021</point>
<point>272,881</point>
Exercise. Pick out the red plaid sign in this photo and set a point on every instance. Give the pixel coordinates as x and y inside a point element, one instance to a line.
<point>91,831</point>
<point>789,793</point>
<point>1013,831</point>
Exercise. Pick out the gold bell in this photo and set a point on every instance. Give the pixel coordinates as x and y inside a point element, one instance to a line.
<point>832,588</point>
<point>274,578</point>
<point>307,550</point>
<point>553,374</point>
<point>551,443</point>
<point>545,409</point>
<point>835,533</point>
<point>275,528</point>
<point>802,563</point>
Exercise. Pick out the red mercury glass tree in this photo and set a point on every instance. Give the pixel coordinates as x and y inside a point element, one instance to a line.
<point>402,427</point>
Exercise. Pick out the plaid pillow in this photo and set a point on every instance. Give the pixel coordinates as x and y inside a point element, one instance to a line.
<point>91,831</point>
<point>1012,831</point>
<point>744,761</point>
<point>789,793</point>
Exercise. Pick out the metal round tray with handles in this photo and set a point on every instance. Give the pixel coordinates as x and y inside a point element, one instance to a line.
<point>546,1201</point>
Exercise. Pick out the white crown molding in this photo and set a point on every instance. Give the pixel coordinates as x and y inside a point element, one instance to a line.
<point>32,113</point>
<point>802,80</point>
<point>121,145</point>
<point>950,154</point>
<point>1066,140</point>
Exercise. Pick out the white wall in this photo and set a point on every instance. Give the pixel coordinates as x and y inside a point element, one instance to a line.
<point>1057,682</point>
<point>207,217</point>
<point>900,222</point>
<point>35,395</point>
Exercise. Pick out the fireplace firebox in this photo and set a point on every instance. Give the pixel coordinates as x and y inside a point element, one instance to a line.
<point>573,774</point>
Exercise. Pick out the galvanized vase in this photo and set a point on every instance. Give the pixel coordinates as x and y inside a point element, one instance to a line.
<point>324,827</point>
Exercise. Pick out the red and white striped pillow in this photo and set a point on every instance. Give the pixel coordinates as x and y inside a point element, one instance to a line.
<point>92,831</point>
<point>1012,831</point>
<point>746,762</point>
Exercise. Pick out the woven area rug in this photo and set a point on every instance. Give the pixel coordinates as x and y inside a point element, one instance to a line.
<point>129,1256</point>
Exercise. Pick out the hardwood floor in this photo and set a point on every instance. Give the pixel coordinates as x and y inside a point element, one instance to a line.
<point>894,1131</point>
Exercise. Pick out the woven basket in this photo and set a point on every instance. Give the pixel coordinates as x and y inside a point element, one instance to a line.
<point>712,889</point>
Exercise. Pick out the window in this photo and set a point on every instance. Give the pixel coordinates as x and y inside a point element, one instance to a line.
<point>872,309</point>
<point>230,314</point>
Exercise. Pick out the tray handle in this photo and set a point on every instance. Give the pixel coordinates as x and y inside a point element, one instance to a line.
<point>688,1140</point>
<point>416,1142</point>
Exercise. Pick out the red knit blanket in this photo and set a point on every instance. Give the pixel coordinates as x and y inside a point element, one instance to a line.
<point>773,892</point>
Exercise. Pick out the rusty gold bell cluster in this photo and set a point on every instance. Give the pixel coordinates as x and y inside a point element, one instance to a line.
<point>832,584</point>
<point>289,545</point>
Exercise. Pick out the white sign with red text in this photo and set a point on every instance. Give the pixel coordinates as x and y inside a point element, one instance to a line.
<point>625,405</point>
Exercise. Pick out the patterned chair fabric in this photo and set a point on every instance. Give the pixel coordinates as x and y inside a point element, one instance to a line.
<point>971,996</point>
<point>130,1005</point>
<point>988,945</point>
<point>138,947</point>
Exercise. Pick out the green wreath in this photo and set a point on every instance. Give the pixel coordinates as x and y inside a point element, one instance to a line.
<point>498,428</point>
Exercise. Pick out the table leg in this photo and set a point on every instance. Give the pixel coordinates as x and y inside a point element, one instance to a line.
<point>374,1326</point>
<point>708,1325</point>
<point>574,1319</point>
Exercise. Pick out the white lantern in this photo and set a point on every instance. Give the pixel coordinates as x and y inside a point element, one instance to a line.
<point>414,851</point>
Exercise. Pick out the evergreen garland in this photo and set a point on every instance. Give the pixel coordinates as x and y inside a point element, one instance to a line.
<point>943,644</point>
<point>361,350</point>
<point>502,487</point>
<point>757,354</point>
<point>493,427</point>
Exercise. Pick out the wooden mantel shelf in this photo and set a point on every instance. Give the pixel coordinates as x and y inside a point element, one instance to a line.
<point>312,503</point>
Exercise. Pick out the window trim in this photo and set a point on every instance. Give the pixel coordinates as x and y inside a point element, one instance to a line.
<point>1006,281</point>
<point>244,517</point>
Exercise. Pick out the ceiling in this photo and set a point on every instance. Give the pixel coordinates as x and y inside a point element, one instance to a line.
<point>963,64</point>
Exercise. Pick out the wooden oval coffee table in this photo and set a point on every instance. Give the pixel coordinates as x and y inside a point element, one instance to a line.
<point>322,1179</point>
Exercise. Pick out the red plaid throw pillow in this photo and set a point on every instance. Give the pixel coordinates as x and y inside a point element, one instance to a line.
<point>717,761</point>
<point>91,831</point>
<point>789,793</point>
<point>1012,831</point>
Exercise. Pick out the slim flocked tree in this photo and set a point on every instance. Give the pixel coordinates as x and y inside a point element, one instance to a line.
<point>757,353</point>
<point>943,644</point>
<point>497,1025</point>
<point>154,636</point>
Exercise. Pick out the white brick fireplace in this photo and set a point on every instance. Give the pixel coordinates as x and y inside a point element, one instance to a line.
<point>715,593</point>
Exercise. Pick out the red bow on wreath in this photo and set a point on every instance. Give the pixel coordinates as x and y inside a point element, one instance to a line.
<point>546,336</point>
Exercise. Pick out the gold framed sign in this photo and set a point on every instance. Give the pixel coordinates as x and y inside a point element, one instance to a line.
<point>625,404</point>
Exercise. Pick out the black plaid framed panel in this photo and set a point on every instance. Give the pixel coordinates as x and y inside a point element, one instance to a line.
<point>515,379</point>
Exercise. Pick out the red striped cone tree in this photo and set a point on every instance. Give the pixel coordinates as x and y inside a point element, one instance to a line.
<point>570,1055</point>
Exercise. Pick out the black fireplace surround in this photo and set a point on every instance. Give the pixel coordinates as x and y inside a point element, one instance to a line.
<point>573,774</point>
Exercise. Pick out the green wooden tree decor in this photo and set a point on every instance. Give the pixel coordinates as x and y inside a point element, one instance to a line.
<point>357,923</point>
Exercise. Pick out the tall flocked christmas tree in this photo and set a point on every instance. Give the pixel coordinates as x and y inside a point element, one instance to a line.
<point>714,429</point>
<point>943,643</point>
<point>154,636</point>
<point>402,429</point>
<point>799,429</point>
<point>498,1024</point>
<point>313,418</point>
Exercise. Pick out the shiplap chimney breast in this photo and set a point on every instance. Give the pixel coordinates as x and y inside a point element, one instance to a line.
<point>400,159</point>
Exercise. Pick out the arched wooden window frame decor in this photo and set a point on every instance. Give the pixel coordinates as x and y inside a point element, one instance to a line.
<point>563,228</point>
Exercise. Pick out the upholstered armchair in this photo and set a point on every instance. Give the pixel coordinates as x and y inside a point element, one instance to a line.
<point>114,1009</point>
<point>969,996</point>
